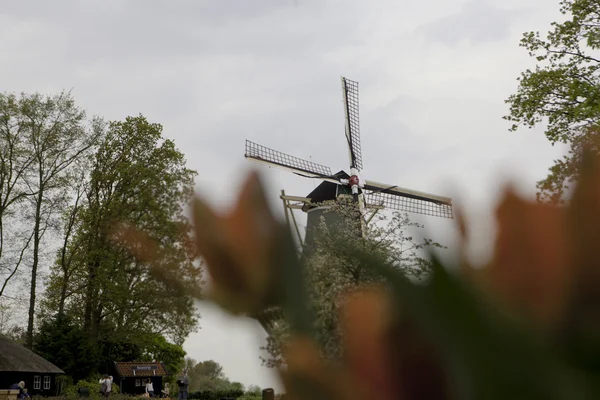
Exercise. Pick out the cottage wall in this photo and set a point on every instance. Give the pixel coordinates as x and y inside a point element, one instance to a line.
<point>135,385</point>
<point>35,383</point>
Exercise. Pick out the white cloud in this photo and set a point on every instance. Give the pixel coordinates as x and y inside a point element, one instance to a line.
<point>478,22</point>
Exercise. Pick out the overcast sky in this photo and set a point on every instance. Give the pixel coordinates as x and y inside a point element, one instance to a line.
<point>433,78</point>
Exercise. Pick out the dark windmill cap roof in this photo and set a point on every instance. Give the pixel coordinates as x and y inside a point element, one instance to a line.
<point>16,358</point>
<point>327,191</point>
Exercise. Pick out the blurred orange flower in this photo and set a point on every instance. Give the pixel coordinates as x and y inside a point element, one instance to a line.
<point>545,255</point>
<point>530,269</point>
<point>238,249</point>
<point>384,358</point>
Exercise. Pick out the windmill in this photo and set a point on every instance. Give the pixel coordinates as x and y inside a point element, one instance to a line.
<point>367,194</point>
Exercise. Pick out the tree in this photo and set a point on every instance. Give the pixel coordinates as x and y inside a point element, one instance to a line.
<point>139,347</point>
<point>15,162</point>
<point>8,323</point>
<point>208,376</point>
<point>62,342</point>
<point>254,389</point>
<point>44,136</point>
<point>97,289</point>
<point>64,264</point>
<point>563,91</point>
<point>210,370</point>
<point>253,392</point>
<point>158,349</point>
<point>331,272</point>
<point>205,375</point>
<point>137,178</point>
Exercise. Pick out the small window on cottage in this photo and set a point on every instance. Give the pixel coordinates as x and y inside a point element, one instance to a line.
<point>138,383</point>
<point>46,382</point>
<point>37,382</point>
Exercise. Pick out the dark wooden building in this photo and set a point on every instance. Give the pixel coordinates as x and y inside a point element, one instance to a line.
<point>18,363</point>
<point>132,376</point>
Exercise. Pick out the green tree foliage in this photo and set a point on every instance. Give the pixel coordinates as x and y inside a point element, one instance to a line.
<point>118,348</point>
<point>209,369</point>
<point>118,304</point>
<point>140,178</point>
<point>253,392</point>
<point>156,347</point>
<point>563,90</point>
<point>70,181</point>
<point>208,376</point>
<point>9,326</point>
<point>57,136</point>
<point>16,161</point>
<point>42,138</point>
<point>64,343</point>
<point>331,272</point>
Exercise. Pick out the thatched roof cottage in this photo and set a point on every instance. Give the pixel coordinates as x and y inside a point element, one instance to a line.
<point>18,363</point>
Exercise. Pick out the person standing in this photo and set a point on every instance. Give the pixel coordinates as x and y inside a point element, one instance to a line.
<point>106,385</point>
<point>149,388</point>
<point>109,384</point>
<point>183,384</point>
<point>165,391</point>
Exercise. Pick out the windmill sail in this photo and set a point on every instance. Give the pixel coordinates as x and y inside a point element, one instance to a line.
<point>407,200</point>
<point>350,94</point>
<point>373,194</point>
<point>266,155</point>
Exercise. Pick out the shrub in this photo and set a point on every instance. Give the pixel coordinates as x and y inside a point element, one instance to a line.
<point>72,391</point>
<point>215,394</point>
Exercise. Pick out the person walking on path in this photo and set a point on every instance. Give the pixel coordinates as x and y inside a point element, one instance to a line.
<point>183,384</point>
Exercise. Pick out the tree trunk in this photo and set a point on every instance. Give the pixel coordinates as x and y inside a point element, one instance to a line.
<point>89,297</point>
<point>64,262</point>
<point>96,321</point>
<point>63,296</point>
<point>34,265</point>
